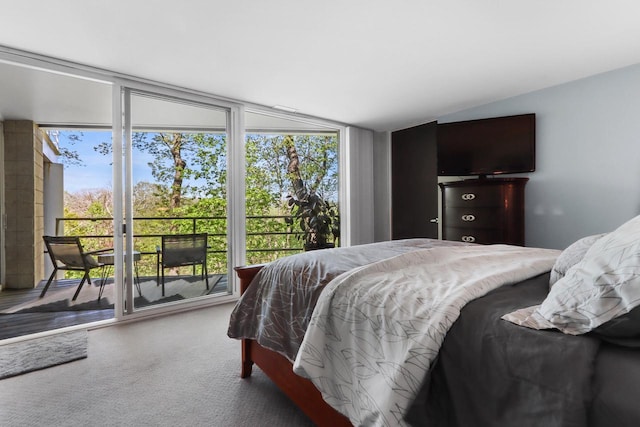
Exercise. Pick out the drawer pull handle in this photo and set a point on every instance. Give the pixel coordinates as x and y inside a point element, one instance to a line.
<point>468,196</point>
<point>468,239</point>
<point>468,218</point>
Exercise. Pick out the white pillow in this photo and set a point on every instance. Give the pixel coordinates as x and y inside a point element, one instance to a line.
<point>571,256</point>
<point>604,285</point>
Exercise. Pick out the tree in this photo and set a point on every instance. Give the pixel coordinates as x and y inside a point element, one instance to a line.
<point>190,177</point>
<point>68,155</point>
<point>268,160</point>
<point>163,146</point>
<point>268,184</point>
<point>182,156</point>
<point>174,142</point>
<point>316,217</point>
<point>90,204</point>
<point>149,199</point>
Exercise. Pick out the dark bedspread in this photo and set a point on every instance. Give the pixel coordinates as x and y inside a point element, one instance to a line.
<point>491,372</point>
<point>616,387</point>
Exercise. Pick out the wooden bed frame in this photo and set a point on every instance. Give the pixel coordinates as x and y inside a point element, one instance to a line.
<point>277,367</point>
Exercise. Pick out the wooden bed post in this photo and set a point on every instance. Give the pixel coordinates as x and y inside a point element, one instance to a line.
<point>246,274</point>
<point>300,390</point>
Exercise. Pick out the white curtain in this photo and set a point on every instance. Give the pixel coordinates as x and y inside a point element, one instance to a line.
<point>358,218</point>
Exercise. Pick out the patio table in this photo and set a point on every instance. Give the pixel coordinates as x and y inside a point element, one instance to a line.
<point>107,261</point>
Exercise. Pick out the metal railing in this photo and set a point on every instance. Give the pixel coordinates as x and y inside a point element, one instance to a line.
<point>268,236</point>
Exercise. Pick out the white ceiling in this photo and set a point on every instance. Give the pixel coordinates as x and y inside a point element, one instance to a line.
<point>379,64</point>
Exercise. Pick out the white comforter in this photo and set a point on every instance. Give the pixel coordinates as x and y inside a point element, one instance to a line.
<point>376,330</point>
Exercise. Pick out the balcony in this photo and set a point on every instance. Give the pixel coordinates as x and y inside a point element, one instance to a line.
<point>268,237</point>
<point>23,312</point>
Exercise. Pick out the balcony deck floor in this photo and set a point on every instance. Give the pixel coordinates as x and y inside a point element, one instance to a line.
<point>25,323</point>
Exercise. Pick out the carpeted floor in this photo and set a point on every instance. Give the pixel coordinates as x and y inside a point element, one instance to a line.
<point>175,370</point>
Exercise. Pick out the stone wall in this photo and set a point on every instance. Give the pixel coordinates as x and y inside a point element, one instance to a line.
<point>23,177</point>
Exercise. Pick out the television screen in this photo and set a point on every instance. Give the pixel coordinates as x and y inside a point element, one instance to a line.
<point>488,146</point>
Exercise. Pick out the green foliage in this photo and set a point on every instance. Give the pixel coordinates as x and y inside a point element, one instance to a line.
<point>68,155</point>
<point>266,163</point>
<point>203,194</point>
<point>317,219</point>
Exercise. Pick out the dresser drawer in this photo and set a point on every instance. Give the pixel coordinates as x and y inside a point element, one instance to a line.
<point>490,195</point>
<point>473,217</point>
<point>479,235</point>
<point>484,210</point>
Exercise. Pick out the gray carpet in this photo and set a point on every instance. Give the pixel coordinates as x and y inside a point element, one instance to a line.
<point>175,370</point>
<point>38,353</point>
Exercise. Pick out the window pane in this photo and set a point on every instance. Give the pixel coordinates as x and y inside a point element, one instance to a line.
<point>291,192</point>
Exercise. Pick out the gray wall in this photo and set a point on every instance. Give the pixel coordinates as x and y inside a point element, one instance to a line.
<point>588,155</point>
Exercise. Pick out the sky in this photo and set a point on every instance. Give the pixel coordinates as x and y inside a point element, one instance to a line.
<point>96,171</point>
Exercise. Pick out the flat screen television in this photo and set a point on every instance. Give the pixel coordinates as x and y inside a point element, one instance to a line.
<point>498,145</point>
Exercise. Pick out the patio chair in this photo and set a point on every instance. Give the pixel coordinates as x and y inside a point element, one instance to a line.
<point>66,253</point>
<point>180,250</point>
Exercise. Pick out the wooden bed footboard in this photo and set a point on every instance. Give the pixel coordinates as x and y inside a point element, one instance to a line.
<point>278,368</point>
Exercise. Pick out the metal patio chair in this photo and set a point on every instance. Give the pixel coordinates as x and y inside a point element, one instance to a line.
<point>66,253</point>
<point>180,250</point>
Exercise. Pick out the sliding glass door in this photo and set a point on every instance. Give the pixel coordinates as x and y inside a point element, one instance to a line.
<point>152,161</point>
<point>175,236</point>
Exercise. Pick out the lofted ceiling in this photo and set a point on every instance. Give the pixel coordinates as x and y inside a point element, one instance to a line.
<point>377,64</point>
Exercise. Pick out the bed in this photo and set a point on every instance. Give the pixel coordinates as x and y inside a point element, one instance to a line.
<point>484,368</point>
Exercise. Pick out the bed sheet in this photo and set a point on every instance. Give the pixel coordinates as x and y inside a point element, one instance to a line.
<point>376,330</point>
<point>276,308</point>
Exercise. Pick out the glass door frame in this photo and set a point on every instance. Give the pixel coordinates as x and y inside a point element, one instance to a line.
<point>236,179</point>
<point>123,193</point>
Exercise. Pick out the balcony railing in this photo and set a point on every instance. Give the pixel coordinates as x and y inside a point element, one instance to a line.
<point>267,238</point>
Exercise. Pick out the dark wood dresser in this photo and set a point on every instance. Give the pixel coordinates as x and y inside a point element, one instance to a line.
<point>489,210</point>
